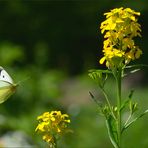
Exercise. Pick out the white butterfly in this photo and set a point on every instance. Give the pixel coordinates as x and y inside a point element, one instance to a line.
<point>7,86</point>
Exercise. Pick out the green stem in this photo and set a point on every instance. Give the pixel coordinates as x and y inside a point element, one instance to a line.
<point>108,103</point>
<point>129,117</point>
<point>134,120</point>
<point>118,81</point>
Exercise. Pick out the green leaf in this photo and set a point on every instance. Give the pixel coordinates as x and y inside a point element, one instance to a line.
<point>133,106</point>
<point>134,120</point>
<point>126,102</point>
<point>100,71</point>
<point>131,94</point>
<point>100,76</point>
<point>96,100</point>
<point>130,72</point>
<point>110,123</point>
<point>106,111</point>
<point>134,68</point>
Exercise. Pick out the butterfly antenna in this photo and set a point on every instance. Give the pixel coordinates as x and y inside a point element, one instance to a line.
<point>27,78</point>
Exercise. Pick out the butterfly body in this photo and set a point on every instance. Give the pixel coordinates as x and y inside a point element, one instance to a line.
<point>7,86</point>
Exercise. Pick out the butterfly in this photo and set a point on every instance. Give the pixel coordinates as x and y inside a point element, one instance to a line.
<point>7,86</point>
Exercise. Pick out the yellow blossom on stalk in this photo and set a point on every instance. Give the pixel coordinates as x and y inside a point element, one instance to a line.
<point>119,29</point>
<point>52,124</point>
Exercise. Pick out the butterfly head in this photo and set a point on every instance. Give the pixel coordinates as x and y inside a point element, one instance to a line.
<point>4,76</point>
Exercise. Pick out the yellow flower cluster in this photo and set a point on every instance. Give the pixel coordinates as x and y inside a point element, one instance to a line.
<point>51,124</point>
<point>120,27</point>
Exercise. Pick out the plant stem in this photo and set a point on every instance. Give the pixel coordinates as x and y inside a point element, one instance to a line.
<point>108,102</point>
<point>118,81</point>
<point>129,117</point>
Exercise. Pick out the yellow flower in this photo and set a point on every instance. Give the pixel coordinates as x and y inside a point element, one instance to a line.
<point>65,118</point>
<point>138,53</point>
<point>102,60</point>
<point>51,124</point>
<point>54,115</point>
<point>44,117</point>
<point>42,126</point>
<point>127,43</point>
<point>119,29</point>
<point>48,138</point>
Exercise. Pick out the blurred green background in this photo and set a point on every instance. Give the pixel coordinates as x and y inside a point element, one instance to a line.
<point>53,44</point>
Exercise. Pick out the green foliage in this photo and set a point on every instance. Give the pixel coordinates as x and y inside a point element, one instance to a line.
<point>111,127</point>
<point>100,76</point>
<point>110,112</point>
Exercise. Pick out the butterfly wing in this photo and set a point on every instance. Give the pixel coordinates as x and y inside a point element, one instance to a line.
<point>4,76</point>
<point>7,87</point>
<point>6,92</point>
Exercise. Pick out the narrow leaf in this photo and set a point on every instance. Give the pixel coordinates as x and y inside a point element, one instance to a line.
<point>111,132</point>
<point>130,72</point>
<point>134,120</point>
<point>100,71</point>
<point>128,100</point>
<point>136,66</point>
<point>131,94</point>
<point>95,100</point>
<point>99,76</point>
